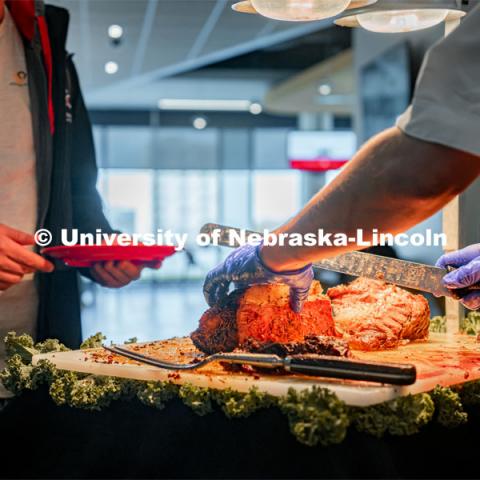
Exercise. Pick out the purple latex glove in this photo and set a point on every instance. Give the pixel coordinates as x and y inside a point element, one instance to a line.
<point>467,263</point>
<point>244,267</point>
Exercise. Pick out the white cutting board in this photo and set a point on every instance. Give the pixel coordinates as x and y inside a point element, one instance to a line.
<point>442,360</point>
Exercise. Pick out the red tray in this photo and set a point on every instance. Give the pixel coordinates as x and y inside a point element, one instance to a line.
<point>87,255</point>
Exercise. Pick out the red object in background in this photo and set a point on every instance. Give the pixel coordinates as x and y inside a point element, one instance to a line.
<point>24,16</point>
<point>87,255</point>
<point>317,164</point>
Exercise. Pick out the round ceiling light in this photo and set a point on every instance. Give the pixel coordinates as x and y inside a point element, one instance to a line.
<point>299,10</point>
<point>199,123</point>
<point>255,108</point>
<point>324,89</point>
<point>115,32</point>
<point>111,68</point>
<point>394,16</point>
<point>396,21</point>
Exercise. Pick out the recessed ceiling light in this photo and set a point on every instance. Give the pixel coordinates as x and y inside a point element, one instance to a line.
<point>255,108</point>
<point>115,31</point>
<point>111,68</point>
<point>199,123</point>
<point>324,89</point>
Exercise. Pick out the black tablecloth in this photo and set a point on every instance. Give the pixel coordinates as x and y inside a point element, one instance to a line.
<point>130,440</point>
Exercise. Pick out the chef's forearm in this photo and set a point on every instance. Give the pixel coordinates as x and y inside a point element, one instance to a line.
<point>392,183</point>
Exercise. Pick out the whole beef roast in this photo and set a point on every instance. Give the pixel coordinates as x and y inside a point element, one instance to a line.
<point>262,314</point>
<point>373,315</point>
<point>368,314</point>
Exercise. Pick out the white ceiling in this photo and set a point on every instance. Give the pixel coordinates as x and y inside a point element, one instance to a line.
<point>161,38</point>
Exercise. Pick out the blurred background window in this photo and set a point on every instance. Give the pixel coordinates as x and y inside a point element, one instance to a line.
<point>199,121</point>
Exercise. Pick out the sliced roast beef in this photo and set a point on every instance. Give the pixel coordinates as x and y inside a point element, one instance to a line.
<point>374,315</point>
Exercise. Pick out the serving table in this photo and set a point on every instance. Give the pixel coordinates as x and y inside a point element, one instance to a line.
<point>131,440</point>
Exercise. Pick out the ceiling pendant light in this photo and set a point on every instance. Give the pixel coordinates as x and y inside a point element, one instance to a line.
<point>394,16</point>
<point>299,10</point>
<point>397,21</point>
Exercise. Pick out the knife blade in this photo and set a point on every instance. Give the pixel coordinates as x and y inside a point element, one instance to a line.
<point>406,274</point>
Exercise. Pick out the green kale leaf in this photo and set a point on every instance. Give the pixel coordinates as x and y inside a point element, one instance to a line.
<point>197,398</point>
<point>448,407</point>
<point>51,345</point>
<point>438,324</point>
<point>237,404</point>
<point>95,341</point>
<point>471,324</point>
<point>156,394</point>
<point>470,393</point>
<point>315,416</point>
<point>88,392</point>
<point>401,416</point>
<point>17,375</point>
<point>22,345</point>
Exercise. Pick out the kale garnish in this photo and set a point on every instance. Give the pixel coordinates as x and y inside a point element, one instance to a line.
<point>156,394</point>
<point>448,407</point>
<point>315,416</point>
<point>199,399</point>
<point>237,404</point>
<point>401,416</point>
<point>438,324</point>
<point>95,341</point>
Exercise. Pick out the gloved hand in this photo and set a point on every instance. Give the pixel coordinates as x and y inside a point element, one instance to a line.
<point>244,267</point>
<point>467,262</point>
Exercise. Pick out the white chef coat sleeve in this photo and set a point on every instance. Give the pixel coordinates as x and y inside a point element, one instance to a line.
<point>446,103</point>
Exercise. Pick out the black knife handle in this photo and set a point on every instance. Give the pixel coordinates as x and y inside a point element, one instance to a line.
<point>334,367</point>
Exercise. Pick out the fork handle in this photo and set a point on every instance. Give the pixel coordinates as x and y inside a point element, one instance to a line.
<point>333,367</point>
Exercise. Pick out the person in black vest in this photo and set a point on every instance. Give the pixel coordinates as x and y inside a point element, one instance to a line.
<point>48,175</point>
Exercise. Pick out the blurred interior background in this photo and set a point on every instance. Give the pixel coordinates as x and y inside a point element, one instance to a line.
<point>204,115</point>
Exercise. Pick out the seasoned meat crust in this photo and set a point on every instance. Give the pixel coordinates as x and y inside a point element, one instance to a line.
<point>217,329</point>
<point>262,313</point>
<point>374,315</point>
<point>319,345</point>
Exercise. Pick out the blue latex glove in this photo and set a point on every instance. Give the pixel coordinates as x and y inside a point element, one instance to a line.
<point>244,267</point>
<point>467,262</point>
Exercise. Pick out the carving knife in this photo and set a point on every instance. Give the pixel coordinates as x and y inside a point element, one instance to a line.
<point>360,264</point>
